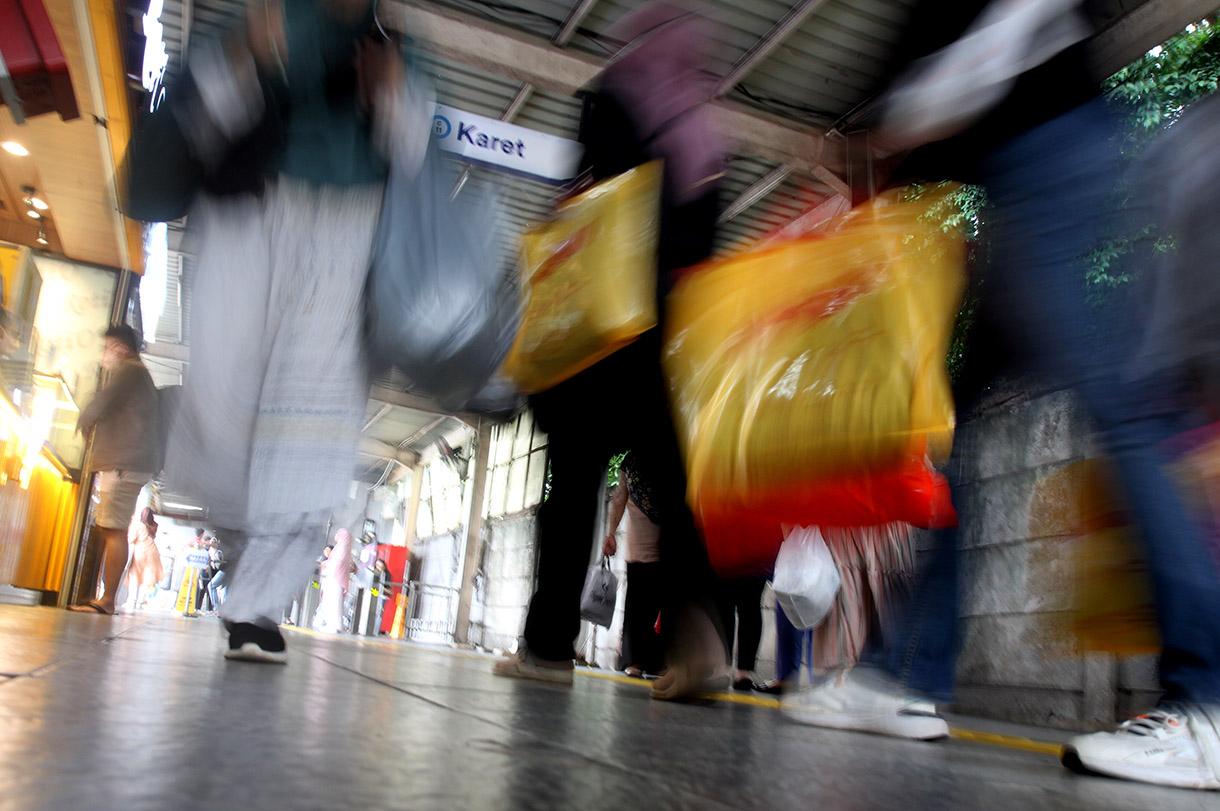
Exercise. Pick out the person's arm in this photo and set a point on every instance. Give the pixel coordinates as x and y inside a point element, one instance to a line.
<point>618,505</point>
<point>107,398</point>
<point>400,101</point>
<point>220,100</point>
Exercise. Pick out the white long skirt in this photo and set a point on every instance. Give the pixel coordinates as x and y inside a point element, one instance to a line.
<point>266,430</point>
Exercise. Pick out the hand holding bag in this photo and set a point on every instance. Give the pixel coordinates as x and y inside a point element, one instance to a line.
<point>599,595</point>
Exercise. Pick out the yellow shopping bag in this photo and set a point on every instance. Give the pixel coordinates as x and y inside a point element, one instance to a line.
<point>819,357</point>
<point>591,279</point>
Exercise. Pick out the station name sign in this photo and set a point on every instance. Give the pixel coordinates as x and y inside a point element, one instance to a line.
<point>506,147</point>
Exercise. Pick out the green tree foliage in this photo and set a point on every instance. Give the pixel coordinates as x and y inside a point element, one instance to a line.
<point>1155,89</point>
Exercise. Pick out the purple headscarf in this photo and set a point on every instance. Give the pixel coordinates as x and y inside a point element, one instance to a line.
<point>661,77</point>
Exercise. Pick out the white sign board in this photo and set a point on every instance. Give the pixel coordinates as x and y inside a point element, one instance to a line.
<point>508,147</point>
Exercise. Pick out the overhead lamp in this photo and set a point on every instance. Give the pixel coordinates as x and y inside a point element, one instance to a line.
<point>30,200</point>
<point>42,236</point>
<point>14,148</point>
<point>32,214</point>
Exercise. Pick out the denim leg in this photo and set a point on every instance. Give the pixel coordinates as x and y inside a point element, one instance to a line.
<point>788,640</point>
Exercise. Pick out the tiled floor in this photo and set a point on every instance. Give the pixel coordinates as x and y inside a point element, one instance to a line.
<point>142,712</point>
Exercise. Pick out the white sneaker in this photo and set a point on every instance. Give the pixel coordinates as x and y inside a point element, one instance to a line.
<point>849,703</point>
<point>1172,746</point>
<point>527,666</point>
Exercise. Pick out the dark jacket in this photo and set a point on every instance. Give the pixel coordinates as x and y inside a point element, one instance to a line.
<point>124,418</point>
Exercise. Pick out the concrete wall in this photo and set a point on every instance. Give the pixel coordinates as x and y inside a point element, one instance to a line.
<point>1019,659</point>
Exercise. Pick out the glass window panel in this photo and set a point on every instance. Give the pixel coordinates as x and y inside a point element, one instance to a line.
<point>499,491</point>
<point>453,507</point>
<point>536,479</point>
<point>423,521</point>
<point>516,486</point>
<point>521,442</point>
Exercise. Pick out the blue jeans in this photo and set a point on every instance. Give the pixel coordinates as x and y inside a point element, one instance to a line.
<point>793,646</point>
<point>1050,187</point>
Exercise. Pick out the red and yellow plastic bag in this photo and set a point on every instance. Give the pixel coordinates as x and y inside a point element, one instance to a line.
<point>815,370</point>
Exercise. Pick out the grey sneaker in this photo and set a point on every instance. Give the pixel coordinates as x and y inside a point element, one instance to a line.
<point>527,666</point>
<point>1172,746</point>
<point>847,702</point>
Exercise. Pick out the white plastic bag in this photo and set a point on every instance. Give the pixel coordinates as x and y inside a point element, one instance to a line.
<point>806,578</point>
<point>599,594</point>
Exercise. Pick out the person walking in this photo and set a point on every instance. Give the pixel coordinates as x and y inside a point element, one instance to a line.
<point>648,105</point>
<point>1049,161</point>
<point>277,139</point>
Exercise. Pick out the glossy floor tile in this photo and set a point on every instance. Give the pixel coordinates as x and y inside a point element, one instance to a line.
<point>143,713</point>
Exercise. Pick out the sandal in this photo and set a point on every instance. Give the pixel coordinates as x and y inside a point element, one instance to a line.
<point>91,607</point>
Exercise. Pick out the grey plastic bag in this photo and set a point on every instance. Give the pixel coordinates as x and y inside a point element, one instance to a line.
<point>599,595</point>
<point>439,304</point>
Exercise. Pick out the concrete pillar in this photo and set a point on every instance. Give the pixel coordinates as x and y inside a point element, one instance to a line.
<point>417,484</point>
<point>473,530</point>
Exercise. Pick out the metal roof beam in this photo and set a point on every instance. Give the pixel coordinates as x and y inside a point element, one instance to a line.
<point>1143,28</point>
<point>468,41</point>
<point>769,42</point>
<point>575,17</point>
<point>386,452</point>
<point>756,191</point>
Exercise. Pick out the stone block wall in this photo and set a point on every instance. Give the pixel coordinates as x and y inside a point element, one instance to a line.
<point>1019,660</point>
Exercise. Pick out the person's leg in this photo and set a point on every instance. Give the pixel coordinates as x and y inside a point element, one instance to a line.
<point>748,599</point>
<point>692,632</point>
<point>726,607</point>
<point>788,640</point>
<point>565,534</point>
<point>650,654</point>
<point>114,563</point>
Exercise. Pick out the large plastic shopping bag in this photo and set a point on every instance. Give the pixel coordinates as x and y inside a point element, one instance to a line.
<point>599,594</point>
<point>1113,608</point>
<point>590,275</point>
<point>817,367</point>
<point>439,304</point>
<point>806,578</point>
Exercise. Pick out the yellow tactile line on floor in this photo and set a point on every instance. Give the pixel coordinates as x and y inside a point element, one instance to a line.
<point>1009,741</point>
<point>973,736</point>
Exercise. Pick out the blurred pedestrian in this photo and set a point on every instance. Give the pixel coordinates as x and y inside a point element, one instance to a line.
<point>1049,162</point>
<point>648,105</point>
<point>277,140</point>
<point>121,422</point>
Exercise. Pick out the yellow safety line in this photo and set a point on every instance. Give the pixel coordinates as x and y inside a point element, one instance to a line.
<point>973,736</point>
<point>1009,741</point>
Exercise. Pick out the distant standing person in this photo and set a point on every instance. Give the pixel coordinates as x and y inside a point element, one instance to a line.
<point>146,568</point>
<point>122,423</point>
<point>642,652</point>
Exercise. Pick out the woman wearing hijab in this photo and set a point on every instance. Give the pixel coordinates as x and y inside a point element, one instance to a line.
<point>335,576</point>
<point>146,568</point>
<point>648,106</point>
<point>277,141</point>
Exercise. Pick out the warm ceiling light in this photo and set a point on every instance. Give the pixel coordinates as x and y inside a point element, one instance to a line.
<point>42,236</point>
<point>38,203</point>
<point>15,148</point>
<point>34,214</point>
